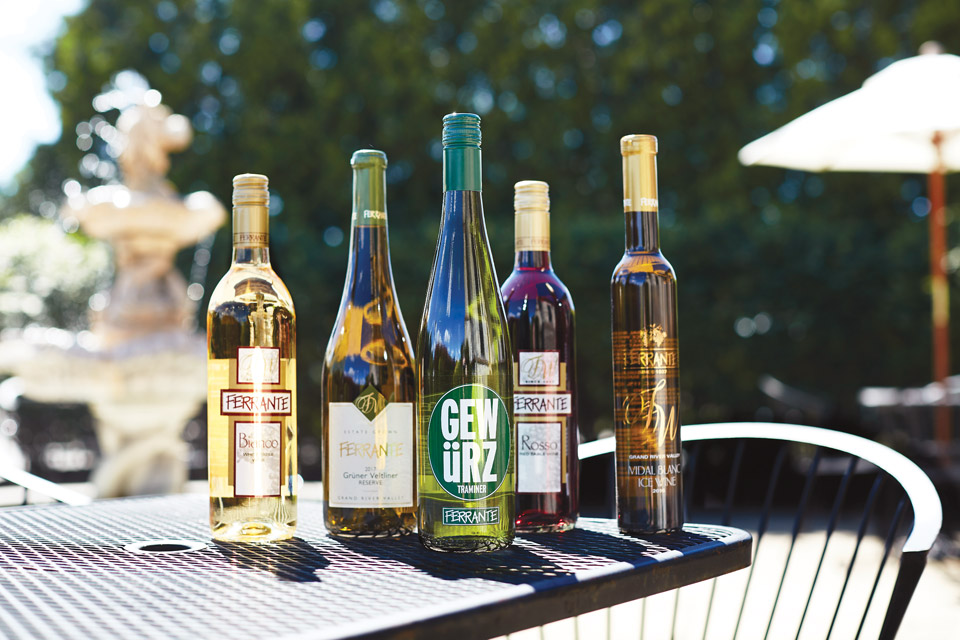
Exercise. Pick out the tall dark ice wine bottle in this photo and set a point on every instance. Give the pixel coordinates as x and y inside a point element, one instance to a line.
<point>368,385</point>
<point>252,384</point>
<point>540,317</point>
<point>645,357</point>
<point>464,369</point>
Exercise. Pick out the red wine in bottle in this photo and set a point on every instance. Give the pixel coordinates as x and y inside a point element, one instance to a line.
<point>540,317</point>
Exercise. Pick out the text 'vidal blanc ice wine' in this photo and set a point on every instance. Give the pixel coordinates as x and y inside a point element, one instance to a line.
<point>540,316</point>
<point>465,370</point>
<point>646,381</point>
<point>252,384</point>
<point>369,384</point>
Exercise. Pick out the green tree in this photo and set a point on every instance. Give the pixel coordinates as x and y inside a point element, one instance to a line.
<point>817,280</point>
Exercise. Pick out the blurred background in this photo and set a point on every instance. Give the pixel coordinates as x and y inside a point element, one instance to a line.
<point>797,290</point>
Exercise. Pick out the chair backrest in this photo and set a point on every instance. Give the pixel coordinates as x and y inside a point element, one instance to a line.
<point>742,474</point>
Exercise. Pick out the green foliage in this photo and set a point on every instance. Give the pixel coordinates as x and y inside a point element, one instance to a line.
<point>834,264</point>
<point>46,275</point>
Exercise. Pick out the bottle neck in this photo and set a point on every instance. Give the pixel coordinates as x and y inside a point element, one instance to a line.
<point>368,267</point>
<point>251,235</point>
<point>643,231</point>
<point>532,239</point>
<point>532,261</point>
<point>369,196</point>
<point>640,201</point>
<point>461,168</point>
<point>462,208</point>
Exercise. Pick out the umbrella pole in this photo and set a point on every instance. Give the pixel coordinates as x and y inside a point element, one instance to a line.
<point>940,294</point>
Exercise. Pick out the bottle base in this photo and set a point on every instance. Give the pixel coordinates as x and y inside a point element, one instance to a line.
<point>558,527</point>
<point>364,534</point>
<point>465,544</point>
<point>637,531</point>
<point>254,532</point>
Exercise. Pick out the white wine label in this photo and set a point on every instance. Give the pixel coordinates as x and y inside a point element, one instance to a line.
<point>539,368</point>
<point>539,457</point>
<point>371,461</point>
<point>238,402</point>
<point>258,365</point>
<point>258,448</point>
<point>252,424</point>
<point>525,404</point>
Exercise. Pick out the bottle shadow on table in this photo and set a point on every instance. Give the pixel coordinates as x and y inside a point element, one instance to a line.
<point>294,560</point>
<point>531,559</point>
<point>582,549</point>
<point>514,565</point>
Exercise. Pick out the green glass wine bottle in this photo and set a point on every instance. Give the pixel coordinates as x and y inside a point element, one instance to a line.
<point>466,435</point>
<point>368,385</point>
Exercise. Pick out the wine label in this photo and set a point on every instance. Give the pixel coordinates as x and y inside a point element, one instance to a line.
<point>251,225</point>
<point>468,443</point>
<point>539,457</point>
<point>647,397</point>
<point>640,181</point>
<point>369,218</point>
<point>542,406</point>
<point>539,368</point>
<point>371,452</point>
<point>258,459</point>
<point>251,424</point>
<point>532,232</point>
<point>472,517</point>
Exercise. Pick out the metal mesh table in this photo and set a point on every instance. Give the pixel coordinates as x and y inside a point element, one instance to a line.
<point>146,568</point>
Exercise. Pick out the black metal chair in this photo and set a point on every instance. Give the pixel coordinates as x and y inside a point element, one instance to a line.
<point>804,467</point>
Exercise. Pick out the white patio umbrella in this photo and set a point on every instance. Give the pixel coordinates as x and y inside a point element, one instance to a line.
<point>905,119</point>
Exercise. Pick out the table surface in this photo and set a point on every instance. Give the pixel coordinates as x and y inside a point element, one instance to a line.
<point>78,572</point>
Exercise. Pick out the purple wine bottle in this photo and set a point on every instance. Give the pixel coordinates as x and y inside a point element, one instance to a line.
<point>540,317</point>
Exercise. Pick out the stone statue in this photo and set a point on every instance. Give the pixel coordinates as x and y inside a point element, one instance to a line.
<point>146,375</point>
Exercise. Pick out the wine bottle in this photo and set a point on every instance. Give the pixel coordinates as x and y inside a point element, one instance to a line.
<point>646,381</point>
<point>540,317</point>
<point>368,384</point>
<point>464,369</point>
<point>252,384</point>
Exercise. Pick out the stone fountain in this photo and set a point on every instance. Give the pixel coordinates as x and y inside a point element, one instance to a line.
<point>143,372</point>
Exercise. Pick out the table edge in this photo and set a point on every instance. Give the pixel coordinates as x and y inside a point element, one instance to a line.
<point>524,607</point>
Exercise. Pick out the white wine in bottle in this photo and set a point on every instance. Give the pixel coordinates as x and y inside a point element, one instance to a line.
<point>369,385</point>
<point>467,440</point>
<point>252,384</point>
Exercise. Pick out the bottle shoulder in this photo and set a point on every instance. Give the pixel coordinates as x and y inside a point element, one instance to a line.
<point>643,265</point>
<point>244,284</point>
<point>544,287</point>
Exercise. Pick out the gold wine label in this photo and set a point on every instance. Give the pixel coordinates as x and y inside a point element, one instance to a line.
<point>647,387</point>
<point>370,403</point>
<point>531,202</point>
<point>639,173</point>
